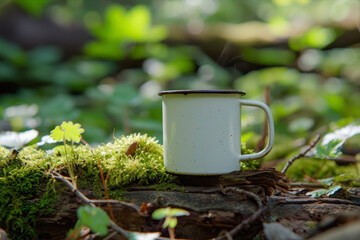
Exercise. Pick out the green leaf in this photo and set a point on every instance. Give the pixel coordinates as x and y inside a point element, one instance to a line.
<point>345,177</point>
<point>34,7</point>
<point>94,218</point>
<point>121,27</point>
<point>178,212</point>
<point>331,149</point>
<point>160,213</point>
<point>143,236</point>
<point>106,50</point>
<point>60,150</point>
<point>172,222</point>
<point>333,190</point>
<point>327,181</point>
<point>166,222</point>
<point>317,37</point>
<point>44,55</point>
<point>316,193</point>
<point>67,131</point>
<point>12,53</point>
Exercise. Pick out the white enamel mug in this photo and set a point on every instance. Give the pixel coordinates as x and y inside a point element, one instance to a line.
<point>202,133</point>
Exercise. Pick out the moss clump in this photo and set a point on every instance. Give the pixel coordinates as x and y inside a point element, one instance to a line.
<point>321,168</point>
<point>27,190</point>
<point>25,194</point>
<point>144,167</point>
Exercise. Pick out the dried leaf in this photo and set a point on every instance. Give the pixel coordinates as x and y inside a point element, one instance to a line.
<point>131,149</point>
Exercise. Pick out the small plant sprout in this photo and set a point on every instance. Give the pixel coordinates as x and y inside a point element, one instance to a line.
<point>170,215</point>
<point>92,218</point>
<point>67,131</point>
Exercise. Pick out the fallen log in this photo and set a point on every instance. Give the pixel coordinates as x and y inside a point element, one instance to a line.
<point>214,210</point>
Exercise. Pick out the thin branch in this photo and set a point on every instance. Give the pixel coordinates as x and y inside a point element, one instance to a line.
<point>250,219</point>
<point>244,223</point>
<point>284,200</point>
<point>244,192</point>
<point>306,185</point>
<point>123,232</point>
<point>116,227</point>
<point>302,154</point>
<point>87,200</point>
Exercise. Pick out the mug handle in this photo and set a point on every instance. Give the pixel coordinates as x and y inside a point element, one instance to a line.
<point>270,124</point>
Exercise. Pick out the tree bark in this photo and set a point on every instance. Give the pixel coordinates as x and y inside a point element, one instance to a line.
<point>213,209</point>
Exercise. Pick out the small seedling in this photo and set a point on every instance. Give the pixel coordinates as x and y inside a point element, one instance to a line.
<point>92,218</point>
<point>67,131</point>
<point>170,215</point>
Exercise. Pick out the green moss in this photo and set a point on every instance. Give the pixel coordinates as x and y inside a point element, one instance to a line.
<point>24,195</point>
<point>27,190</point>
<point>248,165</point>
<point>316,167</point>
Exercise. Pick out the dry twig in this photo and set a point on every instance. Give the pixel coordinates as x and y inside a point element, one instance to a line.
<point>123,232</point>
<point>250,219</point>
<point>244,223</point>
<point>302,154</point>
<point>116,227</point>
<point>284,200</point>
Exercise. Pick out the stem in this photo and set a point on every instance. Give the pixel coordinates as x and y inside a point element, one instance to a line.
<point>106,191</point>
<point>102,180</point>
<point>70,165</point>
<point>123,232</point>
<point>302,154</point>
<point>171,232</point>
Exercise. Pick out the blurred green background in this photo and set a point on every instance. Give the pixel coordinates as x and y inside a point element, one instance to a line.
<point>102,63</point>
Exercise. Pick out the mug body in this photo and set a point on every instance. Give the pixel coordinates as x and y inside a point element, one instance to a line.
<point>201,131</point>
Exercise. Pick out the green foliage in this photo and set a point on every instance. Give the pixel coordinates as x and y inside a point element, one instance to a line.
<point>120,28</point>
<point>348,179</point>
<point>269,56</point>
<point>70,132</point>
<point>334,184</point>
<point>94,218</point>
<point>330,150</point>
<point>170,215</point>
<point>321,192</point>
<point>67,131</point>
<point>248,165</point>
<point>316,167</point>
<point>316,37</point>
<point>34,7</point>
